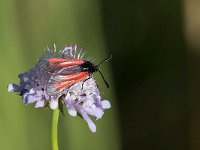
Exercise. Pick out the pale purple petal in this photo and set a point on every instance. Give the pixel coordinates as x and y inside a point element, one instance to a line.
<point>30,99</point>
<point>89,122</point>
<point>14,88</point>
<point>72,111</point>
<point>98,113</point>
<point>105,104</point>
<point>53,104</point>
<point>39,104</point>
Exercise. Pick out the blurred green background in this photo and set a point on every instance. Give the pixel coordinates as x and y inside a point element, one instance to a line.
<point>154,74</point>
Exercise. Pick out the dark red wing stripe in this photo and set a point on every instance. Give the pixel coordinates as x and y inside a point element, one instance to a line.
<point>58,83</point>
<point>62,78</point>
<point>69,70</point>
<point>68,83</point>
<point>65,62</point>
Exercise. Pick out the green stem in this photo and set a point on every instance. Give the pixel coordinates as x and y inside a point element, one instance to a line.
<point>54,136</point>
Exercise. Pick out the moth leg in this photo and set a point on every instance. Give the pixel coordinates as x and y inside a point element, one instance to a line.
<point>85,80</point>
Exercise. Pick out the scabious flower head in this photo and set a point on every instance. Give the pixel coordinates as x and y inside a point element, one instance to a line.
<point>81,98</point>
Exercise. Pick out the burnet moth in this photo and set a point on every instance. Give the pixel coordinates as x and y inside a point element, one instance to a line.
<point>66,72</point>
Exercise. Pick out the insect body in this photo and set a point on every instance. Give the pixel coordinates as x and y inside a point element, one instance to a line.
<point>66,72</point>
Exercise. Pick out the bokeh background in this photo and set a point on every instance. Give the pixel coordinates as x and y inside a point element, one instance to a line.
<point>154,74</point>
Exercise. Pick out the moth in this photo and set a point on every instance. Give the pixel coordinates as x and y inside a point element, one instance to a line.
<point>66,72</point>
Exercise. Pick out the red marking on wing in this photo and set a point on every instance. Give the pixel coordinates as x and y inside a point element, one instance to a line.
<point>65,62</point>
<point>68,83</point>
<point>59,83</point>
<point>75,76</point>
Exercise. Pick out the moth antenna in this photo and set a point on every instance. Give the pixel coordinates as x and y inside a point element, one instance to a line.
<point>104,79</point>
<point>109,57</point>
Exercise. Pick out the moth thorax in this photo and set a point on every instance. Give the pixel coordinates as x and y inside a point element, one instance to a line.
<point>89,67</point>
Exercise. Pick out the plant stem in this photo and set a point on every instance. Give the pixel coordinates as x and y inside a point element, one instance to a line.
<point>54,130</point>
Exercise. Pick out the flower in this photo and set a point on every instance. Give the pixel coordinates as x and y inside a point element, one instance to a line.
<point>81,98</point>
